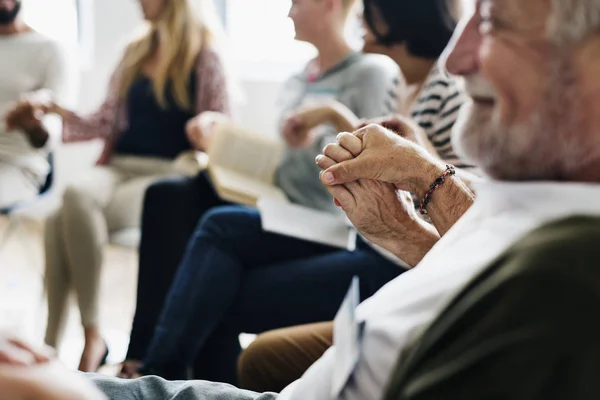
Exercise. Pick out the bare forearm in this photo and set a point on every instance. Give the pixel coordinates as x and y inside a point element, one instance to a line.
<point>412,245</point>
<point>343,118</point>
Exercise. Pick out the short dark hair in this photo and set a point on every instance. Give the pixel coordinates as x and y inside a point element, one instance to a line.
<point>424,25</point>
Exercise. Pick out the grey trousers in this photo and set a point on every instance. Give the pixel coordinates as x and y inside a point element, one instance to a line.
<point>155,388</point>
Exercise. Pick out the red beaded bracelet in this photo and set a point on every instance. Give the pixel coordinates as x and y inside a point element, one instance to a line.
<point>437,183</point>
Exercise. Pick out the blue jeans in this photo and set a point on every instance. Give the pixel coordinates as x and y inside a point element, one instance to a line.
<point>153,387</point>
<point>237,278</point>
<point>172,208</point>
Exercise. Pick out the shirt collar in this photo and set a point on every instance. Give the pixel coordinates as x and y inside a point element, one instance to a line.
<point>547,200</point>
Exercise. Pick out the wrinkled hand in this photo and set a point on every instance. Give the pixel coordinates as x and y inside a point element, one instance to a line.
<point>383,156</point>
<point>384,215</point>
<point>17,352</point>
<point>200,128</point>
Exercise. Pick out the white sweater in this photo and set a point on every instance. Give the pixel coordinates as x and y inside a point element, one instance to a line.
<point>30,62</point>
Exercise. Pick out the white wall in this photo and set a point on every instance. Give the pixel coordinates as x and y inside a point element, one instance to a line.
<point>113,21</point>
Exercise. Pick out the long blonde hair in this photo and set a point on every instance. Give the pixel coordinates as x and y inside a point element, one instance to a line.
<point>181,32</point>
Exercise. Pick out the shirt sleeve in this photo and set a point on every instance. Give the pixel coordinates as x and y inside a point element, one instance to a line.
<point>213,88</point>
<point>375,89</point>
<point>108,119</point>
<point>59,78</point>
<point>315,384</point>
<point>527,328</point>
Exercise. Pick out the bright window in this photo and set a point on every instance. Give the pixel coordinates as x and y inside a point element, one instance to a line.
<point>259,31</point>
<point>261,37</point>
<point>56,18</point>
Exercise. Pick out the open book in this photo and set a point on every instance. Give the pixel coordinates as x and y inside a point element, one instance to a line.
<point>242,165</point>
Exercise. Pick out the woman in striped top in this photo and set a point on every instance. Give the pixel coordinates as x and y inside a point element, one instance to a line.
<point>427,94</point>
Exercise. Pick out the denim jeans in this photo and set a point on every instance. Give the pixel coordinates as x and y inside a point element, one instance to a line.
<point>237,278</point>
<point>172,208</point>
<point>153,387</point>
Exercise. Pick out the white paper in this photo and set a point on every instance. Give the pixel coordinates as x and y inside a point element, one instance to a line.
<point>305,223</point>
<point>346,340</point>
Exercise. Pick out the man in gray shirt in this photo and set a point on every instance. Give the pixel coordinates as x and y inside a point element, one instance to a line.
<point>31,62</point>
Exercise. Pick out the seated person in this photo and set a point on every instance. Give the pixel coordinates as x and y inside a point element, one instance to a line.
<point>255,281</point>
<point>30,62</point>
<point>28,372</point>
<point>166,78</point>
<point>494,254</point>
<point>364,83</point>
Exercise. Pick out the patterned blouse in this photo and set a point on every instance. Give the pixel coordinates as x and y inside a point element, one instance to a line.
<point>112,117</point>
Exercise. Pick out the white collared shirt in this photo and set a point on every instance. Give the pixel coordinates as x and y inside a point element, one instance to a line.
<point>404,308</point>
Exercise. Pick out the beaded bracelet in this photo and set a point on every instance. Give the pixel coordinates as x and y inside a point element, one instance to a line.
<point>437,183</point>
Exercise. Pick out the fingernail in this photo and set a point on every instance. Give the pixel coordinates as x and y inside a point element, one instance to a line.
<point>318,158</point>
<point>328,177</point>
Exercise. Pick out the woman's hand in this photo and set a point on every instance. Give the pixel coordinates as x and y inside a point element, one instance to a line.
<point>299,127</point>
<point>398,124</point>
<point>200,128</point>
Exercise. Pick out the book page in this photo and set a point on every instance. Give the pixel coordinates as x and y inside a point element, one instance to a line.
<point>306,223</point>
<point>245,152</point>
<point>240,188</point>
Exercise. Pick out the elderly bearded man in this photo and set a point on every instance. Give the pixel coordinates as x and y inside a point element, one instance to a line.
<point>506,304</point>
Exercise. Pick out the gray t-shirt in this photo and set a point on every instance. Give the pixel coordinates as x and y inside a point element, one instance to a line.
<point>366,84</point>
<point>30,62</point>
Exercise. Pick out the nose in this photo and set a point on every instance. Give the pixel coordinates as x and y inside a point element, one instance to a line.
<point>461,55</point>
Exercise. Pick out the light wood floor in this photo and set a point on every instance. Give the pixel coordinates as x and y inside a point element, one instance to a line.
<point>22,308</point>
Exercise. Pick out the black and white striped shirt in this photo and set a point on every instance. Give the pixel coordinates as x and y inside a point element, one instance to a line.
<point>435,110</point>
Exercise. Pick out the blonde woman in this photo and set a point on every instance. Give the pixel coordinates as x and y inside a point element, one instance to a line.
<point>167,77</point>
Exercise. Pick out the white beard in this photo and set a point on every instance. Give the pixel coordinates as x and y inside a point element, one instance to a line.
<point>552,145</point>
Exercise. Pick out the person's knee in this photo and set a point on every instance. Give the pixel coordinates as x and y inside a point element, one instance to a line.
<point>259,360</point>
<point>75,197</point>
<point>157,192</point>
<point>228,221</point>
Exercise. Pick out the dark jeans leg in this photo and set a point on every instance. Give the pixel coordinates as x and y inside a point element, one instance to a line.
<point>228,241</point>
<point>236,278</point>
<point>171,211</point>
<point>295,292</point>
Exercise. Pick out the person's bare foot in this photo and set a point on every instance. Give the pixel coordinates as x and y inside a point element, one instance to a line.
<point>129,369</point>
<point>94,352</point>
